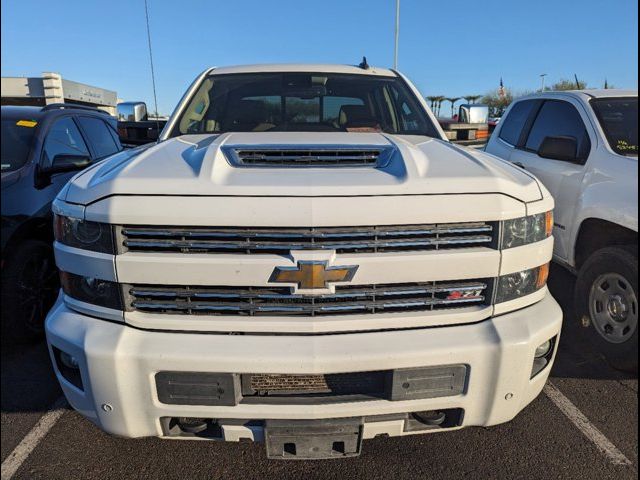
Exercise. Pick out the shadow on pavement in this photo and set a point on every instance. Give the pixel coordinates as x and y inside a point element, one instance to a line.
<point>28,383</point>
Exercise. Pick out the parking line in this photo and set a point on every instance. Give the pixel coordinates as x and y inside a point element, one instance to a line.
<point>19,454</point>
<point>583,424</point>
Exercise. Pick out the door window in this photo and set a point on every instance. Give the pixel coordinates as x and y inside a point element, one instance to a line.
<point>618,118</point>
<point>64,138</point>
<point>559,119</point>
<point>17,137</point>
<point>512,126</point>
<point>98,136</point>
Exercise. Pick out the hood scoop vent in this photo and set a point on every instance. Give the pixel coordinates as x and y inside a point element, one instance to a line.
<point>308,156</point>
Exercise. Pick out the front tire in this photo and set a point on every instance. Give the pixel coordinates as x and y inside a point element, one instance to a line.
<point>606,299</point>
<point>29,289</point>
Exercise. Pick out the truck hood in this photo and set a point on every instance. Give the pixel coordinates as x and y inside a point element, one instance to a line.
<point>196,165</point>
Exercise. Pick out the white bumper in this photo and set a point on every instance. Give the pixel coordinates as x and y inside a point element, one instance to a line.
<point>118,364</point>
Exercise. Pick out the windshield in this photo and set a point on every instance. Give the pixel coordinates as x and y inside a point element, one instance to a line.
<point>304,102</point>
<point>619,120</point>
<point>16,142</point>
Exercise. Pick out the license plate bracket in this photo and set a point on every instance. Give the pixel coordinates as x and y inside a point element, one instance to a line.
<point>313,439</point>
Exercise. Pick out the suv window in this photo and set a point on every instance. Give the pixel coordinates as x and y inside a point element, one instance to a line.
<point>17,136</point>
<point>514,123</point>
<point>557,118</point>
<point>64,138</point>
<point>98,135</point>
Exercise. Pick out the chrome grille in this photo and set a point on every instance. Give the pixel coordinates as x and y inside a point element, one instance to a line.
<point>282,240</point>
<point>267,301</point>
<point>292,156</point>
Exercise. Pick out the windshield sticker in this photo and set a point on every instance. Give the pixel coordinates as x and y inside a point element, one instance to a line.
<point>626,147</point>
<point>26,123</point>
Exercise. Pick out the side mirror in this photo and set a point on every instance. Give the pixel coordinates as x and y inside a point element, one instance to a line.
<point>132,112</point>
<point>559,148</point>
<point>474,113</point>
<point>67,163</point>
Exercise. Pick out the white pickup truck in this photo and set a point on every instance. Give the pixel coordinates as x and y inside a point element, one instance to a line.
<point>304,260</point>
<point>583,145</point>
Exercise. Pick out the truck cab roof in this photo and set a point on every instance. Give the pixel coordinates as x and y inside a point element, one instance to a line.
<point>302,67</point>
<point>585,95</point>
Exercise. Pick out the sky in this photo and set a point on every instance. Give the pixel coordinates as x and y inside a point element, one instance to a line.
<point>451,48</point>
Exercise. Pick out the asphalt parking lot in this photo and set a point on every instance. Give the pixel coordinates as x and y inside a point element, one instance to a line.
<point>584,426</point>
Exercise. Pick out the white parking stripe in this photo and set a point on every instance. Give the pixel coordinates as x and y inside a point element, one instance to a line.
<point>32,439</point>
<point>583,424</point>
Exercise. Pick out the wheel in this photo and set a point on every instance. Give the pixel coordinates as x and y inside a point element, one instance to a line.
<point>606,299</point>
<point>29,289</point>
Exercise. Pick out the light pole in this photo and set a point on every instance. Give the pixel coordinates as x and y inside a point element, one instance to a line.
<point>542,77</point>
<point>395,52</point>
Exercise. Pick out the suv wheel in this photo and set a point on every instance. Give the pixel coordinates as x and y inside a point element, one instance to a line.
<point>29,289</point>
<point>606,300</point>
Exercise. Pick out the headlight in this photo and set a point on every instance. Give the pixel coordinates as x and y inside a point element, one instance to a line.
<point>520,284</point>
<point>91,290</point>
<point>83,234</point>
<point>525,230</point>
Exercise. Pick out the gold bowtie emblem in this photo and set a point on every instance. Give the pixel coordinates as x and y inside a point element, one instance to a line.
<point>310,275</point>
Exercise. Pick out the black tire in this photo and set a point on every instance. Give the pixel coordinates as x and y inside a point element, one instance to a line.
<point>29,289</point>
<point>606,300</point>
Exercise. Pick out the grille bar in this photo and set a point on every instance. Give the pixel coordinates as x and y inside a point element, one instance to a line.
<point>279,240</point>
<point>280,301</point>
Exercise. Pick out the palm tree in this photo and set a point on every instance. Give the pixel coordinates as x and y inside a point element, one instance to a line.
<point>453,101</point>
<point>472,98</point>
<point>439,100</point>
<point>432,101</point>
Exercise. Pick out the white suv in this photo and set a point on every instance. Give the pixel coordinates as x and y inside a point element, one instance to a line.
<point>304,260</point>
<point>583,145</point>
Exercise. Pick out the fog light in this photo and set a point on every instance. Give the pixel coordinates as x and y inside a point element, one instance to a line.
<point>69,367</point>
<point>543,349</point>
<point>542,356</point>
<point>192,425</point>
<point>69,361</point>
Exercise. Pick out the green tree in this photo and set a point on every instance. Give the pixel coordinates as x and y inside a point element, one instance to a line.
<point>566,84</point>
<point>497,103</point>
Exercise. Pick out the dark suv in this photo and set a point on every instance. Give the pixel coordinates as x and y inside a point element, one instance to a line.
<point>42,148</point>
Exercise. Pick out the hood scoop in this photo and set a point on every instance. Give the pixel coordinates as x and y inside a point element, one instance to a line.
<point>308,156</point>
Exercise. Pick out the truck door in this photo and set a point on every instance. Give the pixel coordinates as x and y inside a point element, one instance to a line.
<point>562,178</point>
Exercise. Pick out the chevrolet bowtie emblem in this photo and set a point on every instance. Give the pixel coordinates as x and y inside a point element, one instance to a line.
<point>310,275</point>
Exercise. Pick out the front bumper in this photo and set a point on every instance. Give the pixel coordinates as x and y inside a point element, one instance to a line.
<point>118,364</point>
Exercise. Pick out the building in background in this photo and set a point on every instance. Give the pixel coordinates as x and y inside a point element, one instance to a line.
<point>52,88</point>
